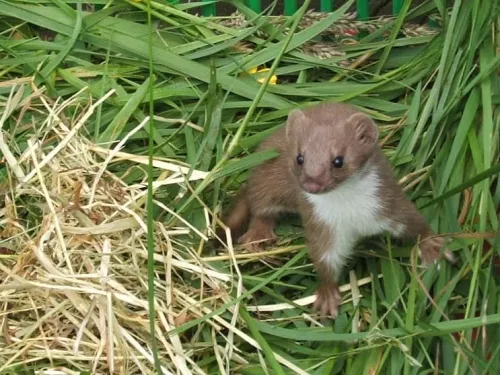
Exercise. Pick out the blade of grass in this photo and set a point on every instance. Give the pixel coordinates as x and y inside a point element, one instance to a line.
<point>115,128</point>
<point>394,33</point>
<point>423,330</point>
<point>150,218</point>
<point>268,352</point>
<point>470,182</point>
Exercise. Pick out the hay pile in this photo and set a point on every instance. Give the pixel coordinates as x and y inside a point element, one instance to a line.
<point>74,254</point>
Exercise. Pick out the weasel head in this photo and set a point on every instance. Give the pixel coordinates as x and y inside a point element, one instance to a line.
<point>328,144</point>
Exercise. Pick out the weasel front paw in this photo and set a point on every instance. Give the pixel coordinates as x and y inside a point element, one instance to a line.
<point>328,299</point>
<point>430,250</point>
<point>255,239</point>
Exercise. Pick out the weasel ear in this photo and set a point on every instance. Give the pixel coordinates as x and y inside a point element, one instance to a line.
<point>365,129</point>
<point>295,120</point>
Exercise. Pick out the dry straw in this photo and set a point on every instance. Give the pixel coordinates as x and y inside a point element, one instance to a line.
<point>73,284</point>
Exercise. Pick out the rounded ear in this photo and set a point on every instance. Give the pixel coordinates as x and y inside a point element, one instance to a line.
<point>295,119</point>
<point>365,129</point>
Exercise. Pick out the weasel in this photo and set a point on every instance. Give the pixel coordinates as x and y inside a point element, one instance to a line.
<point>332,172</point>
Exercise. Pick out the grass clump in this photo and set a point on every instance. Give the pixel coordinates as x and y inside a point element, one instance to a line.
<point>75,131</point>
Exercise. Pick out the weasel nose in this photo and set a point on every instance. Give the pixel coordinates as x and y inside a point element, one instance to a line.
<point>312,187</point>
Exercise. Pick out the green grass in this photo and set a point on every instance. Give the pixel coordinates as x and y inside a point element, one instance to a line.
<point>436,99</point>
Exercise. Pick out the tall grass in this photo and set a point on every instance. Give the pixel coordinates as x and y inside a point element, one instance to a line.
<point>435,96</point>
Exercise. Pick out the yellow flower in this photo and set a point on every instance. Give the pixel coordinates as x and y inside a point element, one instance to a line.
<point>273,79</point>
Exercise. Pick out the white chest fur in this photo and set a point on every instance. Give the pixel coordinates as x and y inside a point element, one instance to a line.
<point>351,211</point>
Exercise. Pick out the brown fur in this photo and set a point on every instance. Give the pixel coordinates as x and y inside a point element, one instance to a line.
<point>320,134</point>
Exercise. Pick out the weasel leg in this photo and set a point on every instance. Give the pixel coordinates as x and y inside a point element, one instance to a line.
<point>412,225</point>
<point>328,299</point>
<point>260,230</point>
<point>238,217</point>
<point>430,250</point>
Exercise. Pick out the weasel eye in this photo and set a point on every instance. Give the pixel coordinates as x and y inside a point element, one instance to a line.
<point>300,159</point>
<point>338,162</point>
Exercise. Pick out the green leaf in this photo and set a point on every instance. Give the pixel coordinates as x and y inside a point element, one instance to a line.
<point>115,128</point>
